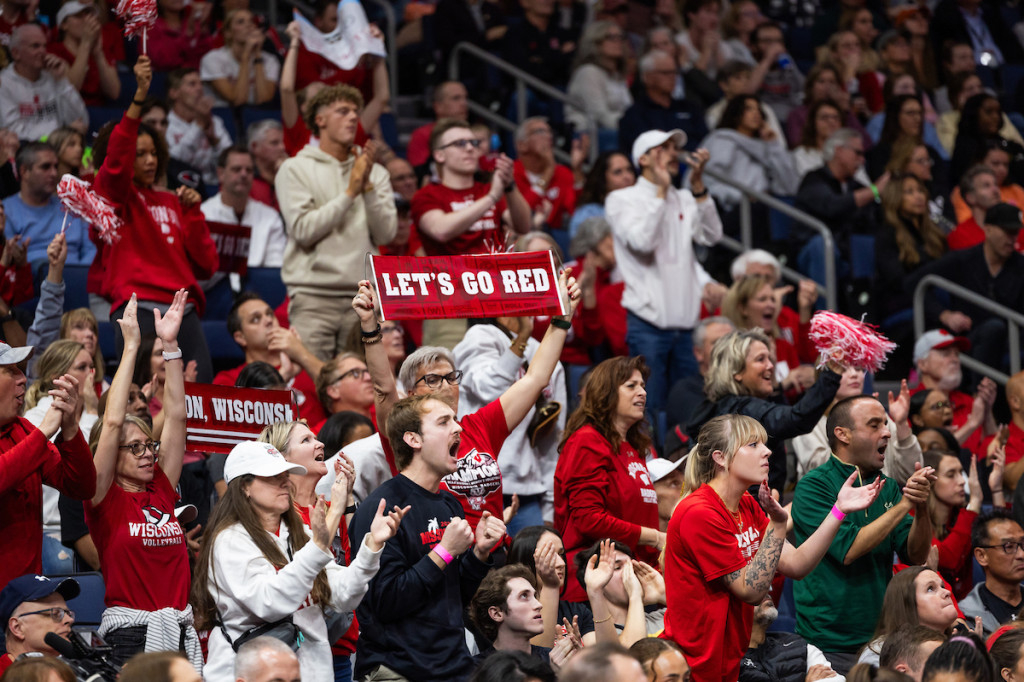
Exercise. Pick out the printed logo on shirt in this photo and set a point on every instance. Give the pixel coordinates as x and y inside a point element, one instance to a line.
<point>486,221</point>
<point>748,542</point>
<point>160,529</point>
<point>638,471</point>
<point>476,477</point>
<point>434,532</point>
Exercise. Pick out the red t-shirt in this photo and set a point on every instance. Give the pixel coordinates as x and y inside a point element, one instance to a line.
<point>418,151</point>
<point>480,236</point>
<point>962,406</point>
<point>90,91</point>
<point>141,546</point>
<point>560,192</point>
<point>705,542</point>
<point>302,387</point>
<point>969,233</point>
<point>476,484</point>
<point>602,494</point>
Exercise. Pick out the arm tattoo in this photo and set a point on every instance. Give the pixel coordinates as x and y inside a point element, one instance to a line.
<point>761,569</point>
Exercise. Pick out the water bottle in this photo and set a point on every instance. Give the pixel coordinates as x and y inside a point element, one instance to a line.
<point>784,61</point>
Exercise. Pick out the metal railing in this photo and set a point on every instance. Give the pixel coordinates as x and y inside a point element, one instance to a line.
<point>524,81</point>
<point>1014,321</point>
<point>829,290</point>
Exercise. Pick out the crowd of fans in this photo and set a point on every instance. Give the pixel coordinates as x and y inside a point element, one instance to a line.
<point>663,482</point>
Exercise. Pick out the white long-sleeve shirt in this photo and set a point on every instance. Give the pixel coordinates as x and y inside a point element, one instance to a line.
<point>268,239</point>
<point>489,368</point>
<point>187,142</point>
<point>654,241</point>
<point>34,109</point>
<point>249,592</point>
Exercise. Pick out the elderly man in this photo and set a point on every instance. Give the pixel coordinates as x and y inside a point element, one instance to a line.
<point>548,187</point>
<point>266,659</point>
<point>266,144</point>
<point>656,228</point>
<point>28,459</point>
<point>655,108</point>
<point>688,393</point>
<point>35,214</point>
<point>35,95</point>
<point>31,607</point>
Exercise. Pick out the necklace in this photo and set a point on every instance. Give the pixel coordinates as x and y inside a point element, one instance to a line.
<point>734,514</point>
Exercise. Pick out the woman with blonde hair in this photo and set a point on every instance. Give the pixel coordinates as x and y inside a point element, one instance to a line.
<point>80,325</point>
<point>69,145</point>
<point>741,380</point>
<point>599,77</point>
<point>723,549</point>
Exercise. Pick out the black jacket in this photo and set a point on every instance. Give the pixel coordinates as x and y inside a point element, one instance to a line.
<point>782,657</point>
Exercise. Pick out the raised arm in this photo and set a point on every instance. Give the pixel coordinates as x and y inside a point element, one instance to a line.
<point>105,457</point>
<point>384,387</point>
<point>289,103</point>
<point>522,395</point>
<point>919,540</point>
<point>172,448</point>
<point>753,581</point>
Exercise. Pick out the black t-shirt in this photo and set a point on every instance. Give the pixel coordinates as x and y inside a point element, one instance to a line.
<point>1003,611</point>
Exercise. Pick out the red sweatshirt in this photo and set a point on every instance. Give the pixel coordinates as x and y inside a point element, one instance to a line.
<point>601,494</point>
<point>162,246</point>
<point>16,284</point>
<point>27,460</point>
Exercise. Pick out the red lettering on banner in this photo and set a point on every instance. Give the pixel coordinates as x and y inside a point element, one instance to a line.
<point>232,243</point>
<point>219,417</point>
<point>513,284</point>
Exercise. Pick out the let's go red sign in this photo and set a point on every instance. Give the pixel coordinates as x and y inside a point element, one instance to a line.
<point>505,284</point>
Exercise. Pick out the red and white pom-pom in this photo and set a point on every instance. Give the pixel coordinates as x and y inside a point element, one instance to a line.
<point>78,197</point>
<point>849,342</point>
<point>138,15</point>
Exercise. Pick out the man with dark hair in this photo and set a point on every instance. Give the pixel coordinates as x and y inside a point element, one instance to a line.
<point>343,384</point>
<point>662,659</point>
<point>337,206</point>
<point>254,327</point>
<point>781,656</point>
<point>838,603</point>
<point>906,649</point>
<point>782,87</point>
<point>450,101</point>
<point>604,662</point>
<point>36,97</point>
<point>980,191</point>
<point>194,135</point>
<point>998,543</point>
<point>459,215</point>
<point>506,610</point>
<point>701,43</point>
<point>35,214</point>
<point>411,618</point>
<point>31,607</point>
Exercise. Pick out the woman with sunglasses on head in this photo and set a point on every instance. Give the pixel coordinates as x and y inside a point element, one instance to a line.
<point>141,544</point>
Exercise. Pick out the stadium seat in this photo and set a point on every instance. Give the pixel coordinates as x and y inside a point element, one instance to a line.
<point>267,283</point>
<point>88,605</point>
<point>219,300</point>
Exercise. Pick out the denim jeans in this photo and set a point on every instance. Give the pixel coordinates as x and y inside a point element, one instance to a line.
<point>668,352</point>
<point>56,557</point>
<point>530,513</point>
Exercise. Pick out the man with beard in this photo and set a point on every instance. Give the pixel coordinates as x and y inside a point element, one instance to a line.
<point>838,603</point>
<point>782,656</point>
<point>998,543</point>
<point>937,357</point>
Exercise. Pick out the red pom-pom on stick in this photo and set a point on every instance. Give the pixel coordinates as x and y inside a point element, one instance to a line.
<point>138,16</point>
<point>849,342</point>
<point>78,197</point>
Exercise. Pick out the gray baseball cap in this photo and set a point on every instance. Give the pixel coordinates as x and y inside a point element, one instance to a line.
<point>12,356</point>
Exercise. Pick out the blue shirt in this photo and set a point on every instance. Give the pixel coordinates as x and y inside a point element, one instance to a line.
<point>40,224</point>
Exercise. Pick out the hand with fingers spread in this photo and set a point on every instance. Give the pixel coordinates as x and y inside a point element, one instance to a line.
<point>600,568</point>
<point>652,582</point>
<point>63,411</point>
<point>384,525</point>
<point>851,499</point>
<point>545,558</point>
<point>770,503</point>
<point>167,325</point>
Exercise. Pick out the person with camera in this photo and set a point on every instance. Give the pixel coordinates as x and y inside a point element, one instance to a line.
<point>32,606</point>
<point>260,572</point>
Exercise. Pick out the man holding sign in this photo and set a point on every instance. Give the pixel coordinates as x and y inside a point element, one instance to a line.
<point>460,216</point>
<point>476,483</point>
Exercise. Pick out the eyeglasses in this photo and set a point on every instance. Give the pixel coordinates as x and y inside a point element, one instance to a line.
<point>392,328</point>
<point>858,152</point>
<point>433,381</point>
<point>56,613</point>
<point>462,144</point>
<point>138,448</point>
<point>1007,547</point>
<point>941,405</point>
<point>357,373</point>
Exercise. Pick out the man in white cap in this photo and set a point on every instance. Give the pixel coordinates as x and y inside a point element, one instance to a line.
<point>655,227</point>
<point>937,358</point>
<point>667,479</point>
<point>28,459</point>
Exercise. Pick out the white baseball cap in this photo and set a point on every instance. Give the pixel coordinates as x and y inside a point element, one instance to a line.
<point>655,138</point>
<point>69,9</point>
<point>660,467</point>
<point>938,339</point>
<point>258,459</point>
<point>12,356</point>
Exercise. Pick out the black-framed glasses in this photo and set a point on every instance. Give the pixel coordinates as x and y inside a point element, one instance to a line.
<point>463,144</point>
<point>941,405</point>
<point>139,448</point>
<point>1008,548</point>
<point>392,328</point>
<point>357,373</point>
<point>56,613</point>
<point>433,381</point>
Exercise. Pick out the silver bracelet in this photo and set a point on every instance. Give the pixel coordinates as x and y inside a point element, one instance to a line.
<point>174,355</point>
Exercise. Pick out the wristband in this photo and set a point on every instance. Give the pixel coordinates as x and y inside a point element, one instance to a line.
<point>874,190</point>
<point>372,340</point>
<point>370,335</point>
<point>561,324</point>
<point>173,355</point>
<point>700,195</point>
<point>443,553</point>
<point>351,509</point>
<point>138,102</point>
<point>837,513</point>
<point>9,317</point>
